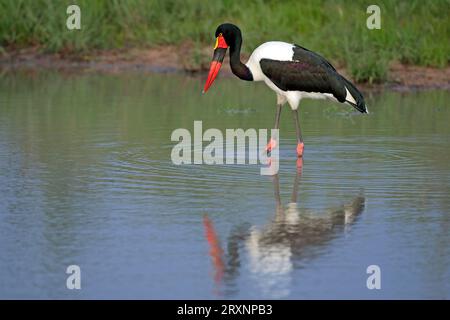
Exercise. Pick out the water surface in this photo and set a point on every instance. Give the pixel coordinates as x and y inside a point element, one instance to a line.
<point>86,179</point>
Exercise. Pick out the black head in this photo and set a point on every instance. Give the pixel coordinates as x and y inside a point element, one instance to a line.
<point>230,32</point>
<point>227,36</point>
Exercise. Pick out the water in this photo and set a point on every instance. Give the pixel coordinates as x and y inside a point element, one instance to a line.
<point>86,179</point>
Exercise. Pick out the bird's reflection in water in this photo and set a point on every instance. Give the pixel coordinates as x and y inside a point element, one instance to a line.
<point>293,236</point>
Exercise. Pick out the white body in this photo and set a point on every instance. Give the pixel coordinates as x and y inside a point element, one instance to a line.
<point>282,51</point>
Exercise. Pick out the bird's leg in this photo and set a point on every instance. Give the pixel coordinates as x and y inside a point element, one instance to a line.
<point>300,144</point>
<point>273,143</point>
<point>276,189</point>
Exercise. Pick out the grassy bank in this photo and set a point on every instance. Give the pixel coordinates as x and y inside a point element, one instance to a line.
<point>412,32</point>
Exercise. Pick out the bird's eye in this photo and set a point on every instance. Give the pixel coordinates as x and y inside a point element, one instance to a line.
<point>220,34</point>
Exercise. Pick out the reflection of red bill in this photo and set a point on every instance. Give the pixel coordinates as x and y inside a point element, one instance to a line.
<point>215,249</point>
<point>213,72</point>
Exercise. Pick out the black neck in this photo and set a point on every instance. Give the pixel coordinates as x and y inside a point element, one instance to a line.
<point>238,68</point>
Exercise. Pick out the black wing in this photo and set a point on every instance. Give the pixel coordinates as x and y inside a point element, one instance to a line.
<point>310,72</point>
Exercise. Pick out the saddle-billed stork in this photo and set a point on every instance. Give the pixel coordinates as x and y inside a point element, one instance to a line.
<point>290,70</point>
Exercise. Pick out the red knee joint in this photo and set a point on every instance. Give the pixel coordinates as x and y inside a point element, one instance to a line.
<point>271,145</point>
<point>300,149</point>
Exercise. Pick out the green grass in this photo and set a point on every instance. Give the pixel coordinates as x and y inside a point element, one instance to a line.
<point>413,32</point>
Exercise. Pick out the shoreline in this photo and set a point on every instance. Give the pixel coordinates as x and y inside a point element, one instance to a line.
<point>171,59</point>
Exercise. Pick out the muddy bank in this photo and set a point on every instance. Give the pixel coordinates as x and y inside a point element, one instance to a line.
<point>171,59</point>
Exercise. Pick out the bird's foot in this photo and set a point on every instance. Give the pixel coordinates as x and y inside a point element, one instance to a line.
<point>271,145</point>
<point>300,148</point>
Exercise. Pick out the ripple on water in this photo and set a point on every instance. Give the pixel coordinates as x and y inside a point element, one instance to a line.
<point>392,168</point>
<point>137,170</point>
